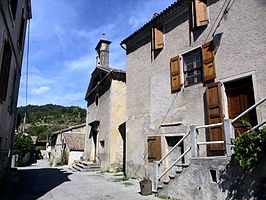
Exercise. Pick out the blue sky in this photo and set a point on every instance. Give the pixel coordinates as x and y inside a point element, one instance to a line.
<point>63,37</point>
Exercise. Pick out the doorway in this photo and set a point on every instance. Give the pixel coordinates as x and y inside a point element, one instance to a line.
<point>240,96</point>
<point>94,135</point>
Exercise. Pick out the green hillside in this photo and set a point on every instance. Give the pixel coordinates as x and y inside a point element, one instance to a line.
<point>43,120</point>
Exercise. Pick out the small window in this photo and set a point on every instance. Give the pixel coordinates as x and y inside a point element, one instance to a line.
<point>13,7</point>
<point>96,99</point>
<point>199,14</point>
<point>154,148</point>
<point>157,38</point>
<point>192,67</point>
<point>22,30</point>
<point>5,68</point>
<point>102,143</point>
<point>13,101</point>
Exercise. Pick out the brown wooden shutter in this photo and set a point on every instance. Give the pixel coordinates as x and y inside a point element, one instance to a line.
<point>200,13</point>
<point>154,148</point>
<point>175,74</point>
<point>5,68</point>
<point>157,38</point>
<point>215,114</point>
<point>208,61</point>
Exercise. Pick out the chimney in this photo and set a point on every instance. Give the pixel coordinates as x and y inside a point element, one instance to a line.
<point>102,49</point>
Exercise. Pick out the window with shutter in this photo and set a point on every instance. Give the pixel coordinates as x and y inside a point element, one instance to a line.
<point>175,74</point>
<point>215,114</point>
<point>154,148</point>
<point>157,38</point>
<point>13,97</point>
<point>199,13</point>
<point>13,7</point>
<point>192,67</point>
<point>21,32</point>
<point>5,68</point>
<point>208,61</point>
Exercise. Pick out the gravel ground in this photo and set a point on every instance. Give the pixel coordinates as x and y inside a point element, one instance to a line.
<point>40,181</point>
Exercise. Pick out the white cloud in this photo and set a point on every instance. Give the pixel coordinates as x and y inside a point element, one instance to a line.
<point>40,90</point>
<point>81,63</point>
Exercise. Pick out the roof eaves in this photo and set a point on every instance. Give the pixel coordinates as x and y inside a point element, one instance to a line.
<point>153,20</point>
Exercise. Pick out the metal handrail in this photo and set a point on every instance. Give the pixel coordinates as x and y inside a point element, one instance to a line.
<point>209,125</point>
<point>249,109</point>
<point>174,163</point>
<point>179,142</point>
<point>211,142</point>
<point>258,126</point>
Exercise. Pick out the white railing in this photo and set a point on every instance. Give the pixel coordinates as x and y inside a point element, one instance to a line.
<point>157,164</point>
<point>195,143</point>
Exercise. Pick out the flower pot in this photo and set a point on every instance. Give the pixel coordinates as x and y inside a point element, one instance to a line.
<point>145,187</point>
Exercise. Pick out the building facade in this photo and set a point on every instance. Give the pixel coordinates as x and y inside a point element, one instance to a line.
<point>106,104</point>
<point>14,15</point>
<point>67,145</point>
<point>195,63</point>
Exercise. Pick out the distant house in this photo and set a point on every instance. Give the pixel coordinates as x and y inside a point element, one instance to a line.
<point>197,62</point>
<point>67,145</point>
<point>13,21</point>
<point>106,103</point>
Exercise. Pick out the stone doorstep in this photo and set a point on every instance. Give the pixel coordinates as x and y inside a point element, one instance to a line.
<point>219,160</point>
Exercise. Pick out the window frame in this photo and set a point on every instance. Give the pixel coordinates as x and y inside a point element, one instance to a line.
<point>21,31</point>
<point>161,29</point>
<point>6,41</point>
<point>14,15</point>
<point>194,69</point>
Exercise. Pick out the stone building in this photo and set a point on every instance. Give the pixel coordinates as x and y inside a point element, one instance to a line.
<point>68,143</point>
<point>106,103</point>
<point>195,63</point>
<point>14,15</point>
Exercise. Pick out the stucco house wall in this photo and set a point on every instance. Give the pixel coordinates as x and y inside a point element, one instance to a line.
<point>99,113</point>
<point>118,114</point>
<point>74,156</point>
<point>240,39</point>
<point>9,31</point>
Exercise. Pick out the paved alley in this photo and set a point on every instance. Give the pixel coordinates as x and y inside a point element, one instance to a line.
<point>40,181</point>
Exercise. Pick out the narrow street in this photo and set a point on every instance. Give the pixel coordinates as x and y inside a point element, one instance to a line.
<point>40,181</point>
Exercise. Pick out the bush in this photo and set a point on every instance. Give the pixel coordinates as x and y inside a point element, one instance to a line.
<point>22,145</point>
<point>250,148</point>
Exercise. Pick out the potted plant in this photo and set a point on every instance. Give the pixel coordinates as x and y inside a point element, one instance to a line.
<point>145,186</point>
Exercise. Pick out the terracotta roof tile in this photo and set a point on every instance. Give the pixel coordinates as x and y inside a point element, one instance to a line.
<point>75,141</point>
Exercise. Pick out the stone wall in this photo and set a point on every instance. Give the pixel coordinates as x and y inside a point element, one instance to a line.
<point>218,178</point>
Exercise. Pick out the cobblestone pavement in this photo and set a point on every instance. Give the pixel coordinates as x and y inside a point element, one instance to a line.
<point>40,181</point>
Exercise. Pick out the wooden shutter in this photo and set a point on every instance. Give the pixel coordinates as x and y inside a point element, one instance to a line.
<point>154,148</point>
<point>175,74</point>
<point>157,38</point>
<point>215,114</point>
<point>200,13</point>
<point>208,61</point>
<point>5,68</point>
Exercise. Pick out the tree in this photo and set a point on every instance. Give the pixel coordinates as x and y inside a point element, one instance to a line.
<point>22,145</point>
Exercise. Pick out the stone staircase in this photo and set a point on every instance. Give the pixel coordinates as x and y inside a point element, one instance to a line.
<point>179,169</point>
<point>83,166</point>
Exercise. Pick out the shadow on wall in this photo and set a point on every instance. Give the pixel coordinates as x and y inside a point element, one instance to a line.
<point>34,183</point>
<point>240,184</point>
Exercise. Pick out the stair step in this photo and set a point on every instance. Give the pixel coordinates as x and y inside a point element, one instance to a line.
<point>171,176</point>
<point>75,167</point>
<point>166,181</point>
<point>80,165</point>
<point>160,186</point>
<point>182,165</point>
